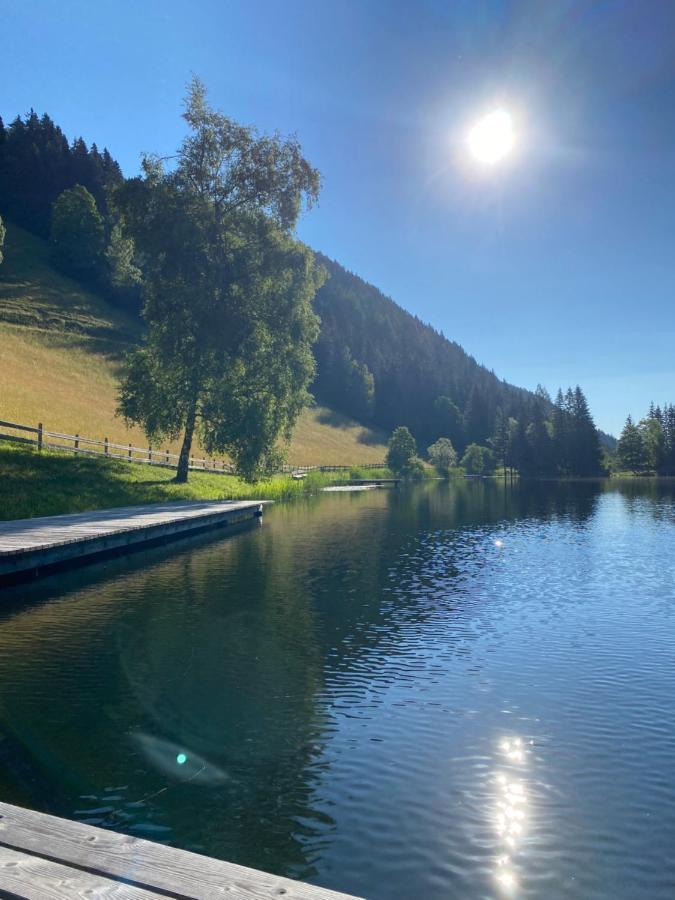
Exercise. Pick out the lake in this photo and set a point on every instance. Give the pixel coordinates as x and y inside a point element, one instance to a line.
<point>449,690</point>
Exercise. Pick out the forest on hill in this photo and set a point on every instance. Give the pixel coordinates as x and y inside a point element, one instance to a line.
<point>375,361</point>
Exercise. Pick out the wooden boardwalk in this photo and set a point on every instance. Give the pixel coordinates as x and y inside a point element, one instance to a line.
<point>28,546</point>
<point>46,858</point>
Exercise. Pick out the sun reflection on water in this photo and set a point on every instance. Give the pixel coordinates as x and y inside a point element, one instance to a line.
<point>510,810</point>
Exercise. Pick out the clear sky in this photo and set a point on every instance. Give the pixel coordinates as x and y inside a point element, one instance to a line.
<point>555,267</point>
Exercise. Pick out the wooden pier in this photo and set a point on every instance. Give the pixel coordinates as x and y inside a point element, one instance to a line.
<point>43,857</point>
<point>30,546</point>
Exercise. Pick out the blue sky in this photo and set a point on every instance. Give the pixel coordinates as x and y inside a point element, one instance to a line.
<point>556,267</point>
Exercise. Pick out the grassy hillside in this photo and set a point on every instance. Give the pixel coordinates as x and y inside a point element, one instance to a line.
<point>50,483</point>
<point>60,353</point>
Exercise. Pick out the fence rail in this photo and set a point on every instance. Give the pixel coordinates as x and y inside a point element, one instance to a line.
<point>147,455</point>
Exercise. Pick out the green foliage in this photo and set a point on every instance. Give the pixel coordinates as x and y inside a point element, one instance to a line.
<point>401,449</point>
<point>3,232</point>
<point>227,291</point>
<point>442,456</point>
<point>414,469</point>
<point>420,377</point>
<point>52,483</point>
<point>122,275</point>
<point>37,163</point>
<point>359,387</point>
<point>631,449</point>
<point>375,361</point>
<point>650,445</point>
<point>449,419</point>
<point>478,460</point>
<point>653,441</point>
<point>77,234</point>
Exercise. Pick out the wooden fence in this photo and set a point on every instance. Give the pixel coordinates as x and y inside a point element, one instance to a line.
<point>72,443</point>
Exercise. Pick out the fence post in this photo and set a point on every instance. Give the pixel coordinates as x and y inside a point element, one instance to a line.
<point>105,446</point>
<point>39,438</point>
<point>129,451</point>
<point>149,454</point>
<point>77,442</point>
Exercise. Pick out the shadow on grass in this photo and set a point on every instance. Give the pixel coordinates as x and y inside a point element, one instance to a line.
<point>333,418</point>
<point>43,484</point>
<point>366,435</point>
<point>371,438</point>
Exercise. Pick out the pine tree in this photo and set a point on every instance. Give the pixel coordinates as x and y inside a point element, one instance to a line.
<point>561,435</point>
<point>587,452</point>
<point>630,449</point>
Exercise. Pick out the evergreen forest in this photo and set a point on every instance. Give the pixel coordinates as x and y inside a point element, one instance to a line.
<point>374,361</point>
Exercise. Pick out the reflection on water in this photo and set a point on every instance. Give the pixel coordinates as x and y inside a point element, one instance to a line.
<point>510,816</point>
<point>400,694</point>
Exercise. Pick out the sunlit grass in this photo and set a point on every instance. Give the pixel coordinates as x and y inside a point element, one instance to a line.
<point>60,354</point>
<point>51,483</point>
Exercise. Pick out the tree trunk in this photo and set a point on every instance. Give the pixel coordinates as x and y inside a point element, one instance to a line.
<point>184,458</point>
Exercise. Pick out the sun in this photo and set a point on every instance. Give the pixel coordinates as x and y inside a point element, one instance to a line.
<point>492,138</point>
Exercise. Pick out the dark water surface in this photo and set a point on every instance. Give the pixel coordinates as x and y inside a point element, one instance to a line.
<point>449,691</point>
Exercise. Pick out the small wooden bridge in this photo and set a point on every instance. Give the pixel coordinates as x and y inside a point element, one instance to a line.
<point>47,858</point>
<point>29,546</point>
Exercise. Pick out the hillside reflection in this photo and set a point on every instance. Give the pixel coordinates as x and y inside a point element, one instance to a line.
<point>189,693</point>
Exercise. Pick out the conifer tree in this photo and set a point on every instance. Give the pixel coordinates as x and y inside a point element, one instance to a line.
<point>630,449</point>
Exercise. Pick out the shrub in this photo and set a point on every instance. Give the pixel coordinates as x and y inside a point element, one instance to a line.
<point>442,456</point>
<point>402,448</point>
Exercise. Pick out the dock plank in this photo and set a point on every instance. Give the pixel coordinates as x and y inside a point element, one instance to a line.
<point>31,544</point>
<point>35,878</point>
<point>145,864</point>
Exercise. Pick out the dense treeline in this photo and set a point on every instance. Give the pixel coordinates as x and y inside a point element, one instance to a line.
<point>649,446</point>
<point>379,363</point>
<point>38,163</point>
<point>61,190</point>
<point>375,361</point>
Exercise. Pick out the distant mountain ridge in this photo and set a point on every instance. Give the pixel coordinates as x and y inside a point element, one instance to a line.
<point>411,365</point>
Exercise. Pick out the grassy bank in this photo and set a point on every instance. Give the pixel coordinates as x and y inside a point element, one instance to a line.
<point>51,483</point>
<point>61,349</point>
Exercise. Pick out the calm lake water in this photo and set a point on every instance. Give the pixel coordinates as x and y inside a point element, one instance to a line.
<point>445,691</point>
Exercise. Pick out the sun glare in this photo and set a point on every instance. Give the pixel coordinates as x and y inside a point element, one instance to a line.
<point>491,139</point>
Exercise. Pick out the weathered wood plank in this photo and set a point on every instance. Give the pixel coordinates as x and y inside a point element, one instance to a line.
<point>35,878</point>
<point>30,544</point>
<point>144,863</point>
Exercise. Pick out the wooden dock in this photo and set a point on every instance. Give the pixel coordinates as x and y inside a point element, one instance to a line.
<point>47,858</point>
<point>29,546</point>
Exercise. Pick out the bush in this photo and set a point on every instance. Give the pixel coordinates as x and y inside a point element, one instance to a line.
<point>442,456</point>
<point>415,469</point>
<point>402,448</point>
<point>478,460</point>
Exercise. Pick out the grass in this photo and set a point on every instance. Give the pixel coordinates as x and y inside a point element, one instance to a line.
<point>51,483</point>
<point>61,349</point>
